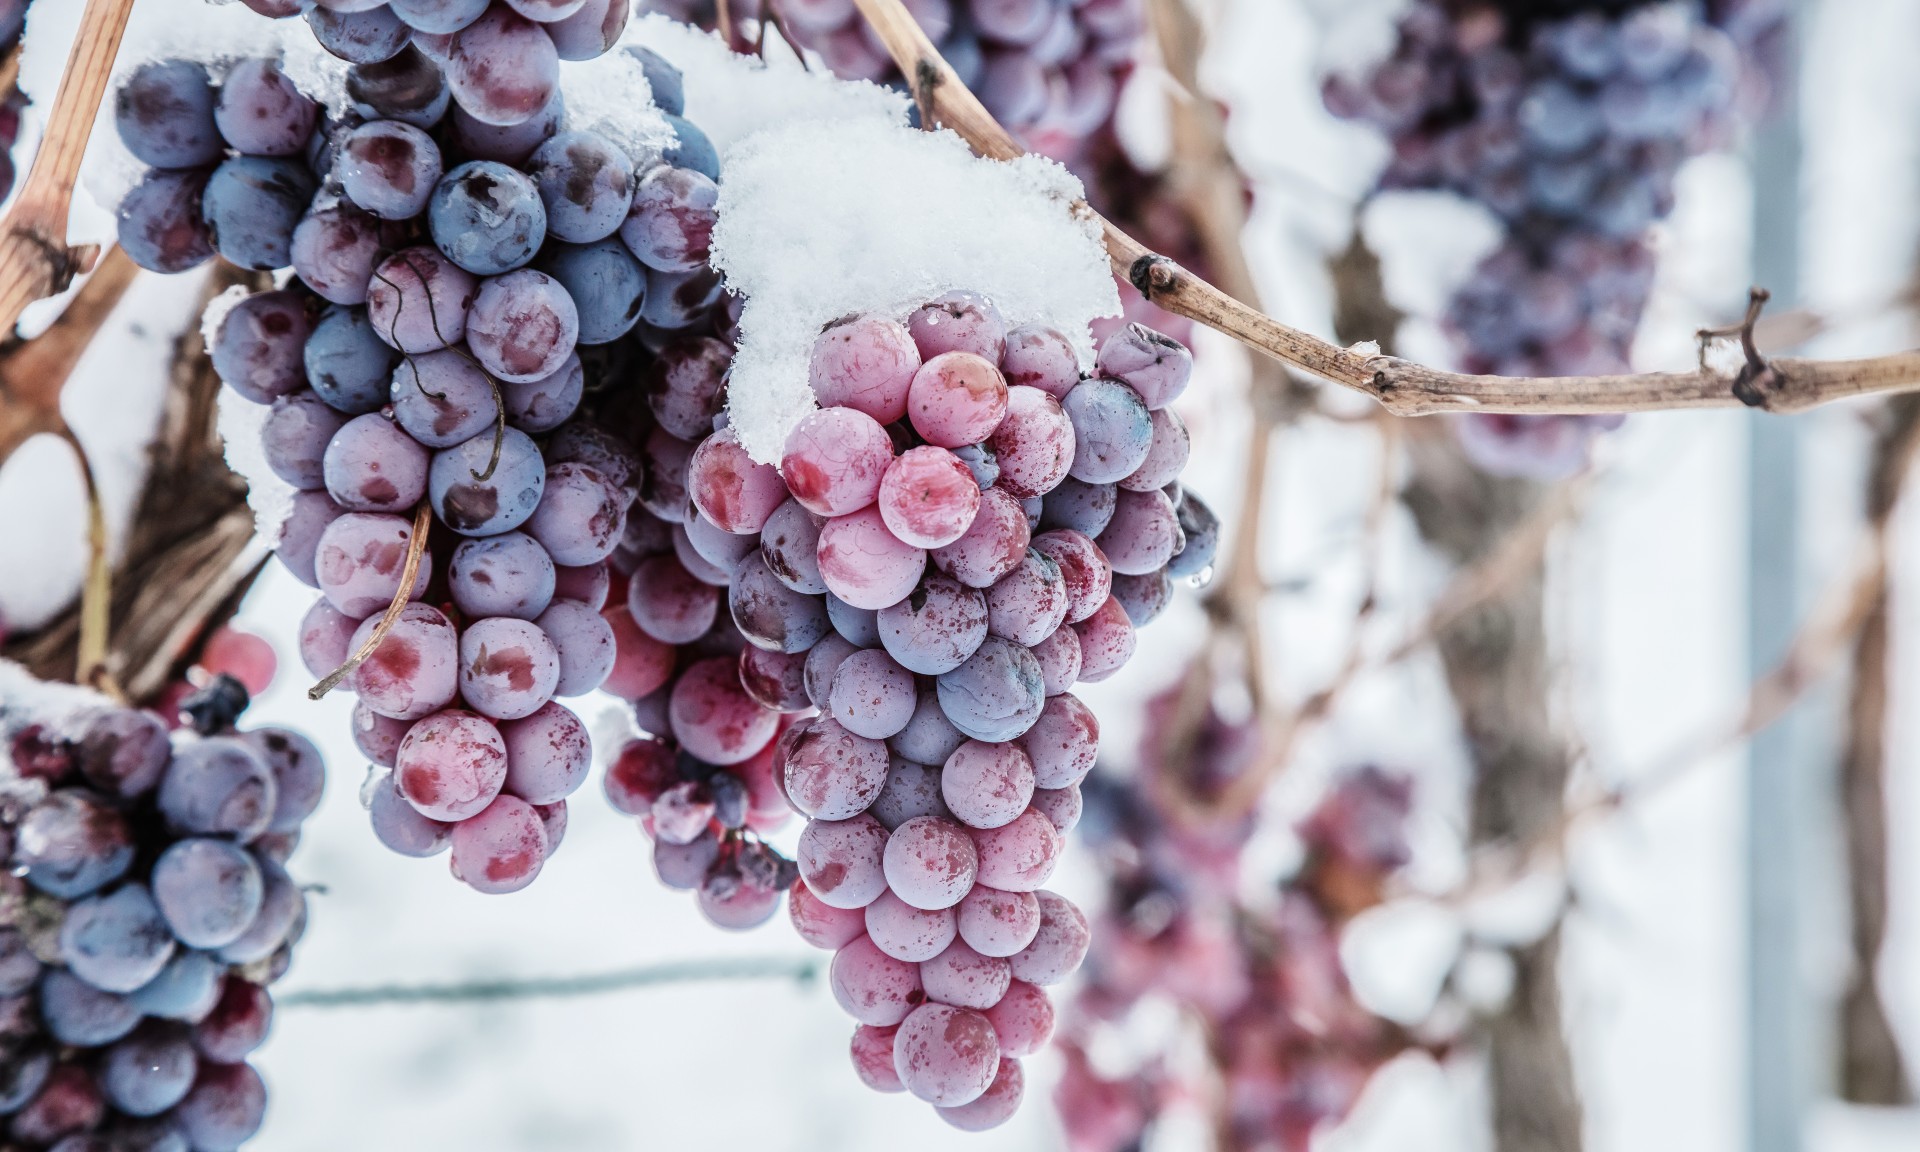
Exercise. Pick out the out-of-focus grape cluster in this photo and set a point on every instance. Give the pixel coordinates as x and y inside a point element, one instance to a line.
<point>1049,70</point>
<point>13,21</point>
<point>965,529</point>
<point>1568,121</point>
<point>146,911</point>
<point>475,292</point>
<point>1289,1049</point>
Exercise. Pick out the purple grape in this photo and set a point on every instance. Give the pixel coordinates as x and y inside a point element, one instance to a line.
<point>502,68</point>
<point>161,221</point>
<point>123,752</point>
<point>676,301</point>
<point>218,787</point>
<point>71,844</point>
<point>1085,508</point>
<point>505,575</point>
<point>209,891</point>
<point>1200,529</point>
<point>509,144</point>
<point>542,405</point>
<point>295,436</point>
<point>789,543</point>
<point>118,941</point>
<point>502,501</point>
<point>256,350</point>
<point>164,113</point>
<point>670,224</point>
<point>262,113</point>
<point>389,169</point>
<point>334,251</point>
<point>77,1013</point>
<point>1156,367</point>
<point>438,16</point>
<point>586,644</point>
<point>186,989</point>
<point>871,695</point>
<point>548,755</point>
<point>1166,458</point>
<point>1143,597</point>
<point>400,826</point>
<point>487,217</point>
<point>406,87</point>
<point>996,695</point>
<point>823,660</point>
<point>419,300</point>
<point>772,615</point>
<point>1112,428</point>
<point>686,386</point>
<point>367,37</point>
<point>605,282</point>
<point>299,775</point>
<point>580,516</point>
<point>299,539</point>
<point>669,603</point>
<point>347,363</point>
<point>936,628</point>
<point>360,559</point>
<point>586,184</point>
<point>523,325</point>
<point>223,1109</point>
<point>443,398</point>
<point>1041,357</point>
<point>149,1071</point>
<point>371,465</point>
<point>251,205</point>
<point>508,667</point>
<point>859,625</point>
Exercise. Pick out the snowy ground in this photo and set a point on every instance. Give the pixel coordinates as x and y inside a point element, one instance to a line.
<point>1649,614</point>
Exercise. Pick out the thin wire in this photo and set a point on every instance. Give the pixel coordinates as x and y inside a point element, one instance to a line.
<point>801,969</point>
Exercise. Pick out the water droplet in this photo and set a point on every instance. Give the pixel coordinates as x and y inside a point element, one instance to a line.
<point>1201,578</point>
<point>377,777</point>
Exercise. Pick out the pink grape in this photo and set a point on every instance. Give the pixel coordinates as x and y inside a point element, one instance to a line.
<point>542,405</point>
<point>997,923</point>
<point>718,548</point>
<point>686,385</point>
<point>872,1050</point>
<point>871,986</point>
<point>684,866</point>
<point>1084,567</point>
<point>823,660</point>
<point>548,754</point>
<point>585,642</point>
<point>991,546</point>
<point>1030,603</point>
<point>833,774</point>
<point>256,349</point>
<point>714,718</point>
<point>1166,455</point>
<point>930,862</point>
<point>866,363</point>
<point>964,978</point>
<point>946,1056</point>
<point>587,584</point>
<point>928,498</point>
<point>1143,535</point>
<point>508,667</point>
<point>936,628</point>
<point>1059,657</point>
<point>865,564</point>
<point>295,436</point>
<point>1156,367</point>
<point>451,765</point>
<point>986,785</point>
<point>1085,508</point>
<point>1034,445</point>
<point>907,933</point>
<point>668,603</point>
<point>1059,946</point>
<point>642,770</point>
<point>670,226</point>
<point>1106,642</point>
<point>502,68</point>
<point>443,398</point>
<point>1023,1019</point>
<point>912,790</point>
<point>775,680</point>
<point>523,325</point>
<point>415,670</point>
<point>683,813</point>
<point>1019,856</point>
<point>1112,430</point>
<point>261,112</point>
<point>835,460</point>
<point>580,516</point>
<point>641,664</point>
<point>377,737</point>
<point>553,820</point>
<point>371,465</point>
<point>871,696</point>
<point>1061,806</point>
<point>790,544</point>
<point>504,575</point>
<point>821,924</point>
<point>501,849</point>
<point>1041,357</point>
<point>324,633</point>
<point>418,300</point>
<point>956,399</point>
<point>729,488</point>
<point>360,559</point>
<point>308,517</point>
<point>928,738</point>
<point>399,826</point>
<point>959,322</point>
<point>842,862</point>
<point>996,1105</point>
<point>696,564</point>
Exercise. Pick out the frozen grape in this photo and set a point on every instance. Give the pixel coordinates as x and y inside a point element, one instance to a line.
<point>930,862</point>
<point>998,923</point>
<point>996,1105</point>
<point>1106,642</point>
<point>1112,429</point>
<point>414,671</point>
<point>670,224</point>
<point>261,112</point>
<point>592,31</point>
<point>641,664</point>
<point>251,205</point>
<point>686,385</point>
<point>946,1056</point>
<point>299,775</point>
<point>1143,534</point>
<point>912,790</point>
<point>1035,445</point>
<point>790,544</point>
<point>208,891</point>
<point>502,67</point>
<point>149,1071</point>
<point>123,752</point>
<point>964,978</point>
<point>996,695</point>
<point>871,696</point>
<point>366,37</point>
<point>257,349</point>
<point>823,660</point>
<point>663,78</point>
<point>238,1024</point>
<point>986,785</point>
<point>504,575</point>
<point>835,461</point>
<point>1030,603</point>
<point>1155,366</point>
<point>1084,568</point>
<point>1200,531</point>
<point>388,169</point>
<point>1018,856</point>
<point>77,1013</point>
<point>866,363</point>
<point>679,300</point>
<point>668,603</point>
<point>729,488</point>
<point>116,942</point>
<point>295,435</point>
<point>643,769</point>
<point>772,615</point>
<point>935,628</point>
<point>224,1108</point>
<point>1084,508</point>
<point>1041,357</point>
<point>1166,457</point>
<point>217,787</point>
<point>508,667</point>
<point>822,925</point>
<point>957,398</point>
<point>347,363</point>
<point>991,546</point>
<point>871,986</point>
<point>360,559</point>
<point>373,466</point>
<point>542,405</point>
<point>523,325</point>
<point>775,680</point>
<point>904,932</point>
<point>334,251</point>
<point>501,849</point>
<point>487,217</point>
<point>377,737</point>
<point>580,516</point>
<point>860,626</point>
<point>691,148</point>
<point>586,644</point>
<point>299,540</point>
<point>928,498</point>
<point>605,283</point>
<point>406,87</point>
<point>865,564</point>
<point>959,322</point>
<point>501,502</point>
<point>186,989</point>
<point>872,1051</point>
<point>71,844</point>
<point>438,16</point>
<point>419,300</point>
<point>1023,1019</point>
<point>929,737</point>
<point>510,143</point>
<point>1143,597</point>
<point>164,114</point>
<point>451,765</point>
<point>161,222</point>
<point>714,718</point>
<point>842,861</point>
<point>1059,946</point>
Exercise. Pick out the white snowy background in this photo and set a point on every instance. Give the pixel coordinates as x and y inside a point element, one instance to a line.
<point>1648,613</point>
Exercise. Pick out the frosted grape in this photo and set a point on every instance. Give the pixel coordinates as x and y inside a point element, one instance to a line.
<point>946,1056</point>
<point>842,861</point>
<point>729,488</point>
<point>790,545</point>
<point>585,642</point>
<point>406,87</point>
<point>1155,366</point>
<point>991,546</point>
<point>871,986</point>
<point>164,114</point>
<point>929,737</point>
<point>505,575</point>
<point>835,461</point>
<point>1079,506</point>
<point>859,626</point>
<point>548,755</point>
<point>641,664</point>
<point>261,112</point>
<point>295,436</point>
<point>501,848</point>
<point>580,516</point>
<point>334,251</point>
<point>714,718</point>
<point>414,671</point>
<point>987,785</point>
<point>928,498</point>
<point>959,322</point>
<point>71,844</point>
<point>349,366</point>
<point>866,363</point>
<point>116,942</point>
<point>996,695</point>
<point>586,184</point>
<point>501,502</point>
<point>209,891</point>
<point>1041,357</point>
<point>1061,806</point>
<point>217,787</point>
<point>1059,946</point>
<point>502,68</point>
<point>1106,642</point>
<point>912,790</point>
<point>418,300</point>
<point>258,348</point>
<point>508,667</point>
<point>775,680</point>
<point>930,862</point>
<point>907,933</point>
<point>823,660</point>
<point>389,169</point>
<point>1113,432</point>
<point>1166,456</point>
<point>670,223</point>
<point>377,737</point>
<point>542,405</point>
<point>523,325</point>
<point>160,223</point>
<point>833,773</point>
<point>1030,603</point>
<point>936,628</point>
<point>1143,597</point>
<point>443,398</point>
<point>964,978</point>
<point>1143,534</point>
<point>998,923</point>
<point>1023,1019</point>
<point>451,765</point>
<point>1018,856</point>
<point>865,564</point>
<point>299,775</point>
<point>224,1108</point>
<point>251,205</point>
<point>956,399</point>
<point>772,615</point>
<point>668,603</point>
<point>822,925</point>
<point>871,695</point>
<point>371,465</point>
<point>996,1105</point>
<point>872,1052</point>
<point>1088,576</point>
<point>1035,444</point>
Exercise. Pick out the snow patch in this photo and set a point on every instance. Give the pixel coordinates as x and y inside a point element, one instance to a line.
<point>821,219</point>
<point>1398,957</point>
<point>240,422</point>
<point>609,95</point>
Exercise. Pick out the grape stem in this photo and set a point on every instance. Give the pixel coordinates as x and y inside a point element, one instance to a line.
<point>35,260</point>
<point>409,572</point>
<point>803,969</point>
<point>1402,387</point>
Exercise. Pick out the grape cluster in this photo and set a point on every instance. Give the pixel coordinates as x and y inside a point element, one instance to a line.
<point>1049,70</point>
<point>469,305</point>
<point>962,531</point>
<point>1289,1049</point>
<point>1569,122</point>
<point>13,20</point>
<point>147,909</point>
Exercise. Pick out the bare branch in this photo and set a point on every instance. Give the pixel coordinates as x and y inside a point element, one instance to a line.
<point>1403,387</point>
<point>803,969</point>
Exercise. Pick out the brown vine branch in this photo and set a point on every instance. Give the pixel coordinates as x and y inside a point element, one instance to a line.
<point>35,260</point>
<point>34,372</point>
<point>416,547</point>
<point>1401,386</point>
